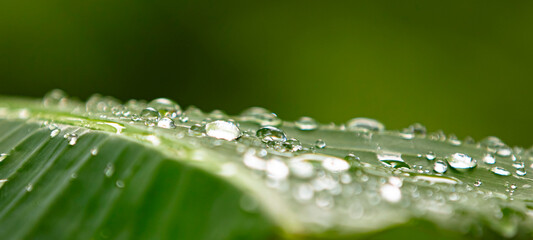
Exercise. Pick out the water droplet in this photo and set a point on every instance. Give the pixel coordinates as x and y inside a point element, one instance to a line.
<point>504,152</point>
<point>453,140</point>
<point>109,170</point>
<point>364,124</point>
<point>440,166</point>
<point>477,183</point>
<point>166,107</point>
<point>72,138</point>
<point>500,171</point>
<point>391,159</point>
<point>120,184</point>
<point>3,156</point>
<point>94,151</point>
<point>407,134</point>
<point>276,169</point>
<point>261,116</point>
<point>430,156</point>
<point>461,161</point>
<point>54,98</point>
<point>271,134</point>
<point>306,124</point>
<point>292,145</point>
<point>521,172</point>
<point>333,164</point>
<point>252,161</point>
<point>29,187</point>
<point>55,132</point>
<point>390,193</point>
<point>489,159</point>
<point>150,115</point>
<point>196,130</point>
<point>320,143</point>
<point>2,182</point>
<point>223,130</point>
<point>166,122</point>
<point>518,165</point>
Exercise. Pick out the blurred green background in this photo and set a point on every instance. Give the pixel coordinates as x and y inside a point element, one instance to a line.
<point>461,66</point>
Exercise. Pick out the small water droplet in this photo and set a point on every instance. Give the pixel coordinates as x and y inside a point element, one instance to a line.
<point>109,170</point>
<point>120,184</point>
<point>461,161</point>
<point>391,159</point>
<point>504,152</point>
<point>430,156</point>
<point>94,151</point>
<point>453,140</point>
<point>196,130</point>
<point>29,187</point>
<point>167,123</point>
<point>54,98</point>
<point>440,166</point>
<point>418,128</point>
<point>292,145</point>
<point>166,107</point>
<point>521,172</point>
<point>223,130</point>
<point>477,183</point>
<point>489,159</point>
<point>150,116</point>
<point>364,124</point>
<point>320,143</point>
<point>500,171</point>
<point>306,124</point>
<point>72,138</point>
<point>55,132</point>
<point>261,116</point>
<point>334,164</point>
<point>271,134</point>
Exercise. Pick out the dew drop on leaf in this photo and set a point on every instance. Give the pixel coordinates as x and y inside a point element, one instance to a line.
<point>223,130</point>
<point>364,124</point>
<point>461,161</point>
<point>500,171</point>
<point>306,124</point>
<point>271,134</point>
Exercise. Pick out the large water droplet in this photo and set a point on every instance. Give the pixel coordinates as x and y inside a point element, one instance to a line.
<point>306,124</point>
<point>271,134</point>
<point>364,124</point>
<point>500,171</point>
<point>223,130</point>
<point>461,161</point>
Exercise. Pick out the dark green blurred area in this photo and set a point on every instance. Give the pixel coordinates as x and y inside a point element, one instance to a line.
<point>462,66</point>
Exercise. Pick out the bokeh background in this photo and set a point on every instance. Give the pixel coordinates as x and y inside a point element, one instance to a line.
<point>461,66</point>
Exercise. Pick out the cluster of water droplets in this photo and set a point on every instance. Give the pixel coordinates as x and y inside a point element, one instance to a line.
<point>355,171</point>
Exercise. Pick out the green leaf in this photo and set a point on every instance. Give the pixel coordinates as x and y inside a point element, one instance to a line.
<point>106,170</point>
